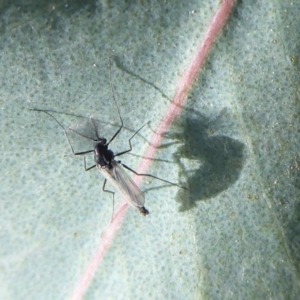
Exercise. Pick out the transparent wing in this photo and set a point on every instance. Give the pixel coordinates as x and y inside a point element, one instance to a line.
<point>122,182</point>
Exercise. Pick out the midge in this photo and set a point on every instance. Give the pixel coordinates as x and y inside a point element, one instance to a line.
<point>111,169</point>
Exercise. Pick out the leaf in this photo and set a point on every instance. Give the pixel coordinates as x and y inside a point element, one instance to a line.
<point>234,234</point>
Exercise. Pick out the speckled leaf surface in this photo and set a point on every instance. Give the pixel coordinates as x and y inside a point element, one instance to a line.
<point>235,234</point>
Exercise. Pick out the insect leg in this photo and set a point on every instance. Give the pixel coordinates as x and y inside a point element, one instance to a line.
<point>152,176</point>
<point>129,142</point>
<point>66,134</point>
<point>113,194</point>
<point>112,90</point>
<point>89,168</point>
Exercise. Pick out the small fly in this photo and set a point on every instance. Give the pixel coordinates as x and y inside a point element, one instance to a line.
<point>112,170</point>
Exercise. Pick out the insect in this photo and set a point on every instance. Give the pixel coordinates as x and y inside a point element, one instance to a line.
<point>112,170</point>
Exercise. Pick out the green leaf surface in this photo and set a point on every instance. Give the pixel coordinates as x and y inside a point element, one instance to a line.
<point>235,233</point>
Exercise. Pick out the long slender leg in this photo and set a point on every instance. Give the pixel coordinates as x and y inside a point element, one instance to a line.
<point>66,134</point>
<point>112,90</point>
<point>108,191</point>
<point>121,119</point>
<point>129,141</point>
<point>89,168</point>
<point>152,176</point>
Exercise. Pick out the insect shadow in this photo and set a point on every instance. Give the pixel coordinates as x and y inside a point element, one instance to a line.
<point>104,158</point>
<point>219,160</point>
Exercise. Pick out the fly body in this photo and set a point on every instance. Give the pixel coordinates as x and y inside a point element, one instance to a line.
<point>115,174</point>
<point>112,170</point>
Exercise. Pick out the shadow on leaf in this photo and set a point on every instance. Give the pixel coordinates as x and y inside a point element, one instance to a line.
<point>221,160</point>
